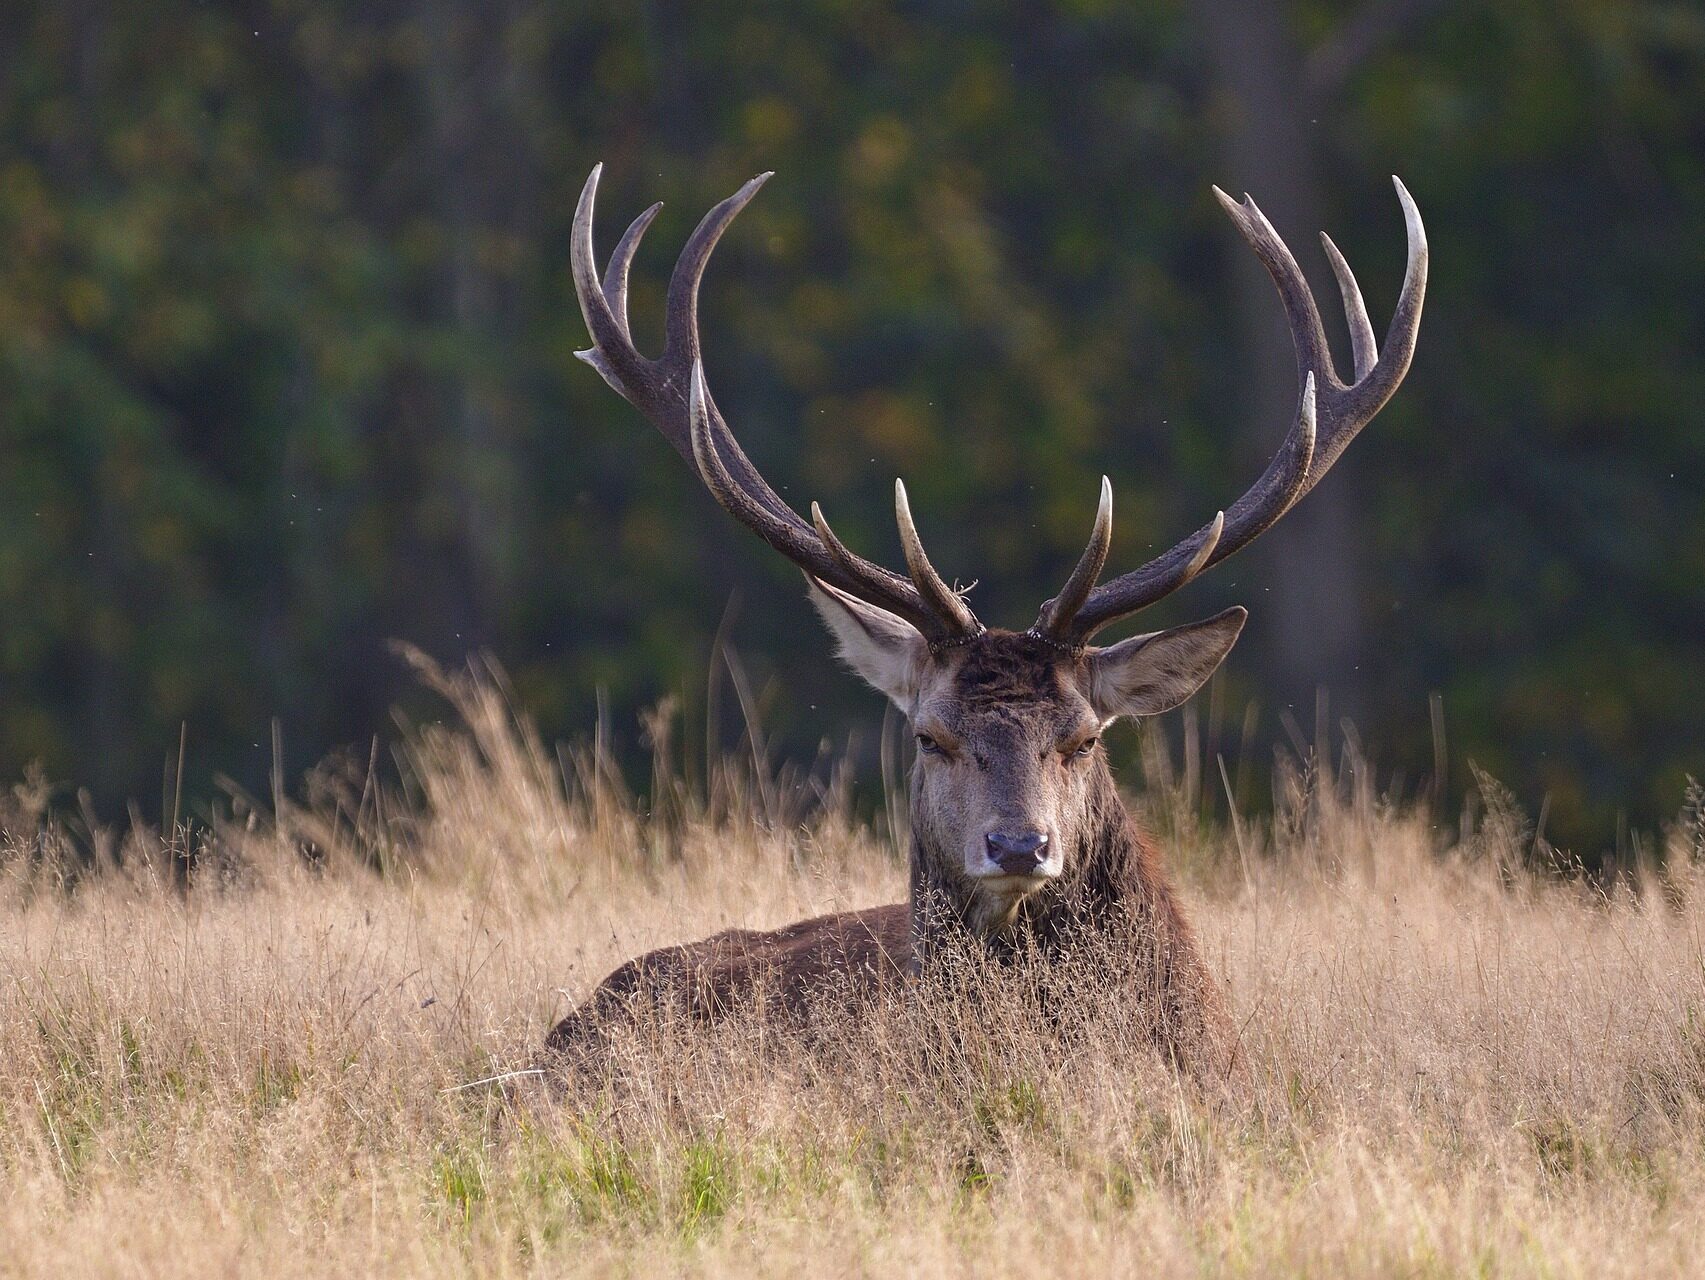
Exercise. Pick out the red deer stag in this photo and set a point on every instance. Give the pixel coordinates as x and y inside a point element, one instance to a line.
<point>1019,833</point>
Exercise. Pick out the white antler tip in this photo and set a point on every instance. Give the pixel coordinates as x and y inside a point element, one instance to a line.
<point>589,192</point>
<point>1411,216</point>
<point>1210,540</point>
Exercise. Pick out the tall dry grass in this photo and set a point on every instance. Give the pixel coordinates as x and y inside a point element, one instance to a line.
<point>267,1065</point>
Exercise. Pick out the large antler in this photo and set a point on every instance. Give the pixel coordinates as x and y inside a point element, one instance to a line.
<point>1329,414</point>
<point>671,392</point>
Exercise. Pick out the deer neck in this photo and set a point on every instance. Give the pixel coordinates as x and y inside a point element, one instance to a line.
<point>1111,873</point>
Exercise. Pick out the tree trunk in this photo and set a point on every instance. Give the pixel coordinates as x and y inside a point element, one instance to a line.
<point>478,164</point>
<point>1311,618</point>
<point>100,677</point>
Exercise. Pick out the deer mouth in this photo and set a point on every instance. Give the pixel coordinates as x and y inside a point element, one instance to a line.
<point>1000,883</point>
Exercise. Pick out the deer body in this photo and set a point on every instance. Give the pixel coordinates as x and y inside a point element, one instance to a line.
<point>1021,842</point>
<point>796,971</point>
<point>784,972</point>
<point>1007,705</point>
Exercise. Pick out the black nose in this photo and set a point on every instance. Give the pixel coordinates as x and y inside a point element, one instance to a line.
<point>1017,855</point>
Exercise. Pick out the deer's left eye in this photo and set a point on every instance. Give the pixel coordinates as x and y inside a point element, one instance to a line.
<point>1083,749</point>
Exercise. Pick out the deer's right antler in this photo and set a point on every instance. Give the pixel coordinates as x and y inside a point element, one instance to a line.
<point>672,393</point>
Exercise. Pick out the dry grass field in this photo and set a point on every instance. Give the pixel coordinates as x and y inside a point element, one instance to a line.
<point>1456,1064</point>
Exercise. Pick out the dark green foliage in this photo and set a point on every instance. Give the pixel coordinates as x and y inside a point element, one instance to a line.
<point>285,371</point>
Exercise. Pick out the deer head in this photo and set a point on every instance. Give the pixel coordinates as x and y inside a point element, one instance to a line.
<point>1010,790</point>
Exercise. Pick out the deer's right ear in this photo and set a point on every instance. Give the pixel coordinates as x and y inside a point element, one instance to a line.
<point>887,651</point>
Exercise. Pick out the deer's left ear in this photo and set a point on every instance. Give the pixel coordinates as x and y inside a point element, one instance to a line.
<point>1146,675</point>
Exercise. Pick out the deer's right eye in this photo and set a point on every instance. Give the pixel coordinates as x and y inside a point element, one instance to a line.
<point>929,746</point>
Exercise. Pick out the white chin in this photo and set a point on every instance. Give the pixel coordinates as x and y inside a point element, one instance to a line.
<point>1000,884</point>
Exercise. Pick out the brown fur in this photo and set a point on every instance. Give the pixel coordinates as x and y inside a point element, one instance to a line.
<point>782,972</point>
<point>1006,698</point>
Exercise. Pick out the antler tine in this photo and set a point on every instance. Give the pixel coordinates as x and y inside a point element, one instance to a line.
<point>1358,404</point>
<point>1307,333</point>
<point>874,578</point>
<point>848,561</point>
<point>671,392</point>
<point>1364,351</point>
<point>616,274</point>
<point>941,598</point>
<point>612,353</point>
<point>681,328</point>
<point>1329,413</point>
<point>1057,614</point>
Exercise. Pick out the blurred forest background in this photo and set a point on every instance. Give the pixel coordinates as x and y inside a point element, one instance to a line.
<point>286,337</point>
